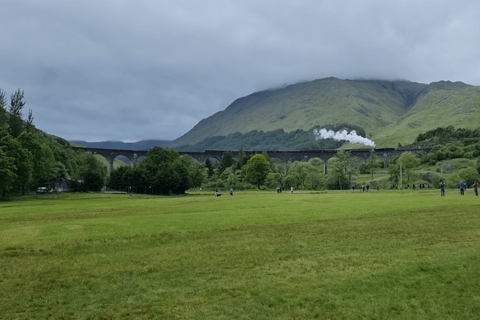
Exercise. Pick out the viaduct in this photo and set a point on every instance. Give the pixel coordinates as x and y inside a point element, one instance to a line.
<point>284,156</point>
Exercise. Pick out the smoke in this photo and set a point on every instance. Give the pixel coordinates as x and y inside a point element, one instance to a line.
<point>343,135</point>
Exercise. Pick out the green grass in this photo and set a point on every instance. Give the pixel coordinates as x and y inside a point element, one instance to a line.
<point>334,255</point>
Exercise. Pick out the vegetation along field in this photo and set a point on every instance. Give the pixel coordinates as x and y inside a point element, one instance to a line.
<point>254,255</point>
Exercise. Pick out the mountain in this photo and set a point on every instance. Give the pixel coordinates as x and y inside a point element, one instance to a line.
<point>390,112</point>
<point>140,145</point>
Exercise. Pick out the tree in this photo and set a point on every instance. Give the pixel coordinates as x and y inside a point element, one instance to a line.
<point>373,163</point>
<point>257,169</point>
<point>242,159</point>
<point>15,118</point>
<point>337,174</point>
<point>29,126</point>
<point>227,161</point>
<point>209,166</point>
<point>297,173</point>
<point>394,173</point>
<point>3,111</point>
<point>22,162</point>
<point>7,172</point>
<point>339,171</point>
<point>92,174</point>
<point>408,162</point>
<point>274,180</point>
<point>197,171</point>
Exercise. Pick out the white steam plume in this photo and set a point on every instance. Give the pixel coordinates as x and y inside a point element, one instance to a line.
<point>343,135</point>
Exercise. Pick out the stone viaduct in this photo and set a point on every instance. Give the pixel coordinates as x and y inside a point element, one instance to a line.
<point>284,156</point>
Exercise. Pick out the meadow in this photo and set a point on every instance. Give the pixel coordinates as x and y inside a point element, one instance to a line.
<point>255,255</point>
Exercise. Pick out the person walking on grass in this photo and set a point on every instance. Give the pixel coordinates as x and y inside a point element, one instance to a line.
<point>475,188</point>
<point>442,188</point>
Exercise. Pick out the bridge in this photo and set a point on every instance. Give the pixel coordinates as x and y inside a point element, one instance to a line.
<point>284,156</point>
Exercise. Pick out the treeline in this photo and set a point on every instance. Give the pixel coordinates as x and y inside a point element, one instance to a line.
<point>29,158</point>
<point>273,140</point>
<point>449,143</point>
<point>448,135</point>
<point>260,171</point>
<point>160,172</point>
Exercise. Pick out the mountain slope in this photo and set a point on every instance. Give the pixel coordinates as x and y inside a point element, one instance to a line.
<point>389,111</point>
<point>372,105</point>
<point>438,107</point>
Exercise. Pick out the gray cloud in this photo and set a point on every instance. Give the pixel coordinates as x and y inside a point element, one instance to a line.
<point>123,70</point>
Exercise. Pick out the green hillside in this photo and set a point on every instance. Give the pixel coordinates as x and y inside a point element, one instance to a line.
<point>436,108</point>
<point>390,112</point>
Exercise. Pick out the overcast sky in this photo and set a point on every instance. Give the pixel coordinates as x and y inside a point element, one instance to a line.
<point>152,69</point>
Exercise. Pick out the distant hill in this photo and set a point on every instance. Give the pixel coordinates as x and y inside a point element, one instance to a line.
<point>140,145</point>
<point>390,112</point>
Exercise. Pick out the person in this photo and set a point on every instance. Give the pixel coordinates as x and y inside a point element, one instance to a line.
<point>291,189</point>
<point>460,186</point>
<point>368,187</point>
<point>442,188</point>
<point>217,194</point>
<point>353,187</point>
<point>231,191</point>
<point>414,186</point>
<point>475,188</point>
<point>363,187</point>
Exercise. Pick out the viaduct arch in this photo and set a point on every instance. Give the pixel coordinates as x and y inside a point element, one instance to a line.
<point>284,156</point>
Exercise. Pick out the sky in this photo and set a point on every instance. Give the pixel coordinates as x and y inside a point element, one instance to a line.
<point>152,69</point>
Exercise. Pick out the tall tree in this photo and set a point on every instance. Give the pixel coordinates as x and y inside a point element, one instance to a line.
<point>3,111</point>
<point>227,161</point>
<point>409,162</point>
<point>15,118</point>
<point>339,171</point>
<point>209,166</point>
<point>373,163</point>
<point>7,172</point>
<point>29,126</point>
<point>22,161</point>
<point>257,169</point>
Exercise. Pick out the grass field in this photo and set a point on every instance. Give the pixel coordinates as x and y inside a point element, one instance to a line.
<point>334,255</point>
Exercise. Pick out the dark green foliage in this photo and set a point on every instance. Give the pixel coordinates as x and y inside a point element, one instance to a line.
<point>449,143</point>
<point>7,172</point>
<point>3,111</point>
<point>209,166</point>
<point>39,158</point>
<point>161,172</point>
<point>227,161</point>
<point>448,135</point>
<point>92,174</point>
<point>339,171</point>
<point>16,123</point>
<point>257,169</point>
<point>29,126</point>
<point>23,163</point>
